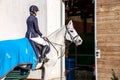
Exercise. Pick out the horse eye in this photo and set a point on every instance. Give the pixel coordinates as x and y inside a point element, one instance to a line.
<point>71,30</point>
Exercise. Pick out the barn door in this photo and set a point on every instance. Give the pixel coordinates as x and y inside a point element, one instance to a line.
<point>81,58</point>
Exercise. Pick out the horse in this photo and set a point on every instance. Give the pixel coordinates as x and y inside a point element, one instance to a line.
<point>57,49</point>
<point>57,46</point>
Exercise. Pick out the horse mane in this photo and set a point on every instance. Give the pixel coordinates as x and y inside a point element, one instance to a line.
<point>54,35</point>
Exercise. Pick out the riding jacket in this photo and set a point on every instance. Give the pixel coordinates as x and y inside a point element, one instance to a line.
<point>33,31</point>
<point>32,27</point>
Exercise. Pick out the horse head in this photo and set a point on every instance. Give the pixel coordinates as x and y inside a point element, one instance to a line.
<point>71,34</point>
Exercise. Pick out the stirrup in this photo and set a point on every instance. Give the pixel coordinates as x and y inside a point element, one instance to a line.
<point>45,59</point>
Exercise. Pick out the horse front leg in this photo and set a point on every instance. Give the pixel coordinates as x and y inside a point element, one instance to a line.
<point>46,73</point>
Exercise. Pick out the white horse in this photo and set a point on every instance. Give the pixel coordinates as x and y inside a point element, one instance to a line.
<point>57,48</point>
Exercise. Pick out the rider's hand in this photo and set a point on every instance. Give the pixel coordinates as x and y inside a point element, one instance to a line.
<point>45,38</point>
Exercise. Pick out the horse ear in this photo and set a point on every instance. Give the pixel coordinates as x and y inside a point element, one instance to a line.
<point>70,23</point>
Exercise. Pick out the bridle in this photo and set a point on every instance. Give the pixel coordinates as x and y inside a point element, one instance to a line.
<point>72,37</point>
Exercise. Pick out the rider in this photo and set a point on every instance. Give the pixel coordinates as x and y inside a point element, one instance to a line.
<point>33,32</point>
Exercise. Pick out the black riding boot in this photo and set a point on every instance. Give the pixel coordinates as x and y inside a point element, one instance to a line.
<point>45,50</point>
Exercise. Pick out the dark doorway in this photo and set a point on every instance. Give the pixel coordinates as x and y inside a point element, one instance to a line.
<point>82,13</point>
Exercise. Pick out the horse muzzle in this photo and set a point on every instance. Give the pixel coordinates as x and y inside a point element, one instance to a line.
<point>78,41</point>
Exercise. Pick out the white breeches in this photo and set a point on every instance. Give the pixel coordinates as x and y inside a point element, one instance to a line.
<point>39,40</point>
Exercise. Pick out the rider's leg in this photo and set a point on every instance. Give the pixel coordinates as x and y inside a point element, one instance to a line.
<point>35,48</point>
<point>45,51</point>
<point>44,43</point>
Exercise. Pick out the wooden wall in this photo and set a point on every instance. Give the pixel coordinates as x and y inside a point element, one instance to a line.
<point>108,38</point>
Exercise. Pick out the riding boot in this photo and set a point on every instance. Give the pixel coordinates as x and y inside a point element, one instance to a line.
<point>45,50</point>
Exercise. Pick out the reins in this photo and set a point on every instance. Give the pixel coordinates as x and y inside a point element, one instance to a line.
<point>52,43</point>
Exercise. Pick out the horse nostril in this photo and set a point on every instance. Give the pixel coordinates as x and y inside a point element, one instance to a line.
<point>79,40</point>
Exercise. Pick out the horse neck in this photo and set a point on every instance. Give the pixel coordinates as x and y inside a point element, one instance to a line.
<point>58,36</point>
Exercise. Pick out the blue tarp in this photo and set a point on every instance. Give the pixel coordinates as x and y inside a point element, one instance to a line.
<point>16,52</point>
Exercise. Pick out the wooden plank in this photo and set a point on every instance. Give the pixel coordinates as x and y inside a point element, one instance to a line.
<point>101,70</point>
<point>110,48</point>
<point>108,20</point>
<point>108,64</point>
<point>108,31</point>
<point>104,43</point>
<point>108,37</point>
<point>110,53</point>
<point>115,11</point>
<point>108,2</point>
<point>113,57</point>
<point>104,75</point>
<point>108,25</point>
